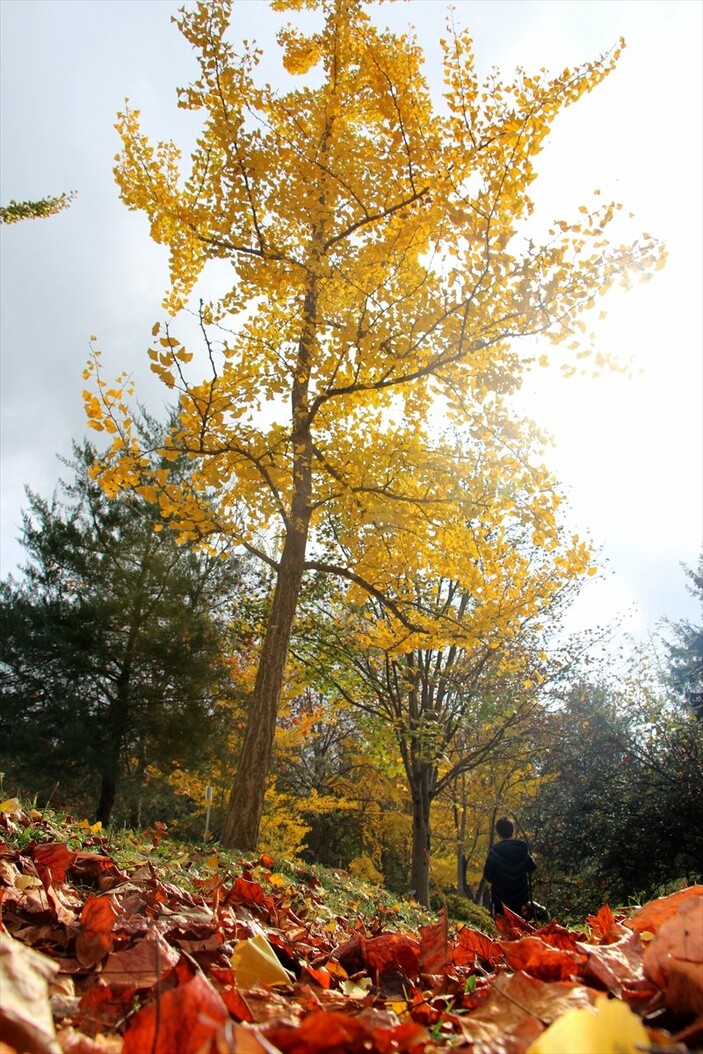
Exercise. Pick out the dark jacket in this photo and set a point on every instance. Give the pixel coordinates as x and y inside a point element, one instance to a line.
<point>507,867</point>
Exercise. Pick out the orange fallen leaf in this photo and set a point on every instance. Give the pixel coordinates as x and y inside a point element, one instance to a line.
<point>654,914</point>
<point>674,959</point>
<point>94,938</point>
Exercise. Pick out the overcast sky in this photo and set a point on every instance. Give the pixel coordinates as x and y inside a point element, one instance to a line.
<point>628,451</point>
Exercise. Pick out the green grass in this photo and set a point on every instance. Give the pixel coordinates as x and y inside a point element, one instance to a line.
<point>329,894</point>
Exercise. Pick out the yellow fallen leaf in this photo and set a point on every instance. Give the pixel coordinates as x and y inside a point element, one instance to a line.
<point>608,1028</point>
<point>27,882</point>
<point>255,963</point>
<point>10,805</point>
<point>356,989</point>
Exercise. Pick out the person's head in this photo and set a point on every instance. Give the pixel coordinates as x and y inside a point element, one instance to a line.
<point>505,827</point>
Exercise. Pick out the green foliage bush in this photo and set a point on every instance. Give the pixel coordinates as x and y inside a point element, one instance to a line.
<point>461,909</point>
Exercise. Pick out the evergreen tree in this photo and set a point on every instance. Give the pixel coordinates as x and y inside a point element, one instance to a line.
<point>686,649</point>
<point>112,651</point>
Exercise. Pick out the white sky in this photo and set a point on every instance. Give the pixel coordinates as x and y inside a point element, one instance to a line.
<point>629,452</point>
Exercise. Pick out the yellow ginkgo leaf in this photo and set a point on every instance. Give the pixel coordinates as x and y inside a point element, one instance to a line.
<point>255,963</point>
<point>610,1027</point>
<point>278,880</point>
<point>356,989</point>
<point>27,882</point>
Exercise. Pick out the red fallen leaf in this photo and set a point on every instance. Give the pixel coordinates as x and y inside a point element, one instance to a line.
<point>538,960</point>
<point>56,857</point>
<point>557,936</point>
<point>434,946</point>
<point>237,1005</point>
<point>266,861</point>
<point>511,925</point>
<point>407,1036</point>
<point>61,912</point>
<point>96,868</point>
<point>393,952</point>
<point>141,965</point>
<point>94,938</point>
<point>103,1007</point>
<point>470,943</point>
<point>328,1031</point>
<point>352,954</point>
<point>616,966</point>
<point>601,923</point>
<point>674,959</point>
<point>184,1019</point>
<point>266,1004</point>
<point>692,1034</point>
<point>252,895</point>
<point>653,915</point>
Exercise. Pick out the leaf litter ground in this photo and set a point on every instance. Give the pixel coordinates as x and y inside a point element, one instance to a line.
<point>157,951</point>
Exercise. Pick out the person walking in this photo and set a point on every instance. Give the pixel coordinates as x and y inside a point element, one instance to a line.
<point>507,868</point>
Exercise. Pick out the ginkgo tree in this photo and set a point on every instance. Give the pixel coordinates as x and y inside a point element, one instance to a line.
<point>377,265</point>
<point>462,689</point>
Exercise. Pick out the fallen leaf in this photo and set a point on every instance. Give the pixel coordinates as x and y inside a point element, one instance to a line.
<point>142,965</point>
<point>94,939</point>
<point>674,959</point>
<point>536,958</point>
<point>434,946</point>
<point>654,914</point>
<point>255,962</point>
<point>25,1011</point>
<point>615,966</point>
<point>471,943</point>
<point>183,1020</point>
<point>56,857</point>
<point>610,1027</point>
<point>514,1010</point>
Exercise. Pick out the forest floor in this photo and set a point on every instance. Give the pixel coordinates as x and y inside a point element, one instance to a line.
<point>141,945</point>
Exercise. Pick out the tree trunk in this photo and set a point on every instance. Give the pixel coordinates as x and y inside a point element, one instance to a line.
<point>420,865</point>
<point>108,789</point>
<point>241,826</point>
<point>243,818</point>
